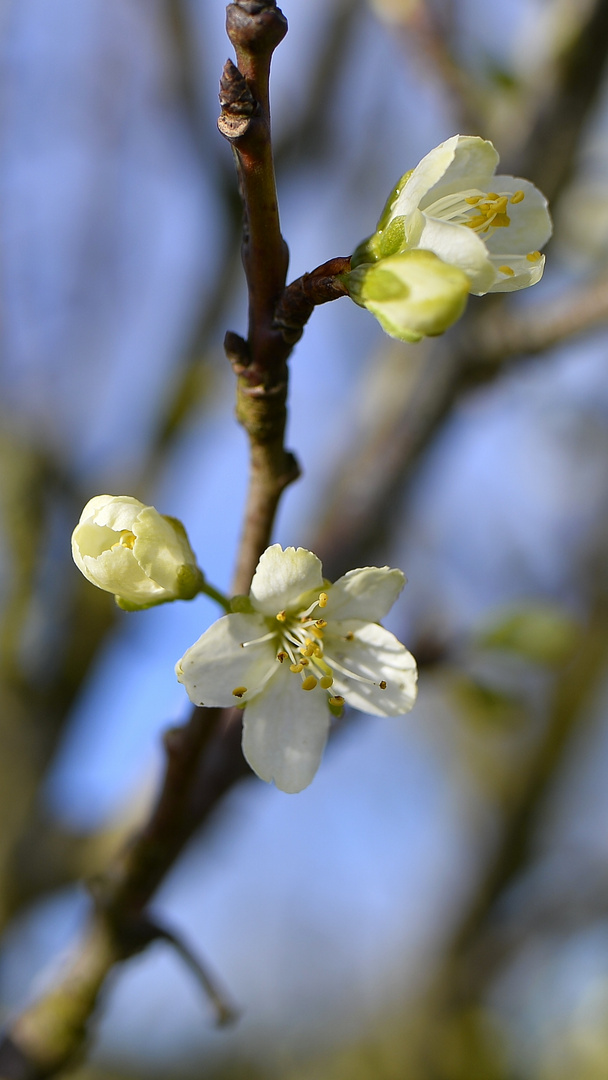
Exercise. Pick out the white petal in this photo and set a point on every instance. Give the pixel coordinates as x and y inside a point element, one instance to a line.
<point>159,548</point>
<point>90,539</point>
<point>525,273</point>
<point>462,162</point>
<point>217,664</point>
<point>531,224</point>
<point>284,732</point>
<point>460,246</point>
<point>376,655</point>
<point>118,572</point>
<point>282,576</point>
<point>368,593</point>
<point>116,511</point>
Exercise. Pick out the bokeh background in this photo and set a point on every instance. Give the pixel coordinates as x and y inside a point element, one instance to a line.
<point>435,905</point>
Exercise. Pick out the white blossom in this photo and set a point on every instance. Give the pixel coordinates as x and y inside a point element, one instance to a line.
<point>129,549</point>
<point>491,227</point>
<point>299,648</point>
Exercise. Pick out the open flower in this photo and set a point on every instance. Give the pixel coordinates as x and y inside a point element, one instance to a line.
<point>452,204</point>
<point>129,549</point>
<point>298,650</point>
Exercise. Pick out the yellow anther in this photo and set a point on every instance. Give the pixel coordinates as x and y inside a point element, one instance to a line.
<point>475,222</point>
<point>382,685</point>
<point>517,196</point>
<point>326,682</point>
<point>296,668</point>
<point>309,682</point>
<point>321,623</point>
<point>308,649</point>
<point>473,200</point>
<point>508,270</point>
<point>337,700</point>
<point>500,221</point>
<point>322,599</point>
<point>281,616</point>
<point>493,195</point>
<point>534,256</point>
<point>281,656</point>
<point>315,630</point>
<point>239,691</point>
<point>317,651</point>
<point>304,661</point>
<point>127,538</point>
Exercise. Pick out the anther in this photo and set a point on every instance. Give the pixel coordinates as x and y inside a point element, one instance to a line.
<point>326,682</point>
<point>517,196</point>
<point>473,200</point>
<point>322,599</point>
<point>281,616</point>
<point>534,256</point>
<point>239,691</point>
<point>350,636</point>
<point>127,538</point>
<point>337,700</point>
<point>296,668</point>
<point>382,685</point>
<point>321,623</point>
<point>508,270</point>
<point>281,656</point>
<point>309,682</point>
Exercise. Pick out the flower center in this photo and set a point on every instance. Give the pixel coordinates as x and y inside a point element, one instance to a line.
<point>301,641</point>
<point>126,539</point>
<point>479,210</point>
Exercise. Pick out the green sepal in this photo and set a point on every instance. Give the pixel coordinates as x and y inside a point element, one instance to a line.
<point>386,214</point>
<point>190,581</point>
<point>129,605</point>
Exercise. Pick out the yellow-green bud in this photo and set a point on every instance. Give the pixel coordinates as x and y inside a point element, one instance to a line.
<point>413,294</point>
<point>129,549</point>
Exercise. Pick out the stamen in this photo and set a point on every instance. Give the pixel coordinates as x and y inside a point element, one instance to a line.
<point>534,256</point>
<point>501,221</point>
<point>296,668</point>
<point>309,682</point>
<point>127,538</point>
<point>517,197</point>
<point>350,674</point>
<point>326,682</point>
<point>337,700</point>
<point>281,616</point>
<point>473,200</point>
<point>321,623</point>
<point>259,640</point>
<point>281,656</point>
<point>322,599</point>
<point>382,685</point>
<point>304,661</point>
<point>508,270</point>
<point>239,691</point>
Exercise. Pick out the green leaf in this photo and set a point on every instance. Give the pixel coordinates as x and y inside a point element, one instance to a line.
<point>543,633</point>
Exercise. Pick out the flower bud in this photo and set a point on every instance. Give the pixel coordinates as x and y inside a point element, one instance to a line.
<point>129,549</point>
<point>413,294</point>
